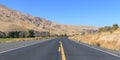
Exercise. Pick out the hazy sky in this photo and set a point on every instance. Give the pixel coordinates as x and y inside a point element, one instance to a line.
<point>73,12</point>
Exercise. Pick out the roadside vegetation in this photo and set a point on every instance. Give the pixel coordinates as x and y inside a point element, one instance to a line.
<point>106,37</point>
<point>108,28</point>
<point>13,36</point>
<point>6,39</point>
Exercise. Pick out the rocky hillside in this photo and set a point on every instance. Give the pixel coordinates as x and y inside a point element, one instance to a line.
<point>12,20</point>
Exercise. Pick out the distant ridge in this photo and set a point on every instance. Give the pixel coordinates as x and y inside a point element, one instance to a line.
<point>11,20</point>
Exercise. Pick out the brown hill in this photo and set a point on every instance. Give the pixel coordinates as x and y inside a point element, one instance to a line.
<point>11,20</point>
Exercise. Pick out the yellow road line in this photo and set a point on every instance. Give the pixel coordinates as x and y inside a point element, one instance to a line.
<point>61,49</point>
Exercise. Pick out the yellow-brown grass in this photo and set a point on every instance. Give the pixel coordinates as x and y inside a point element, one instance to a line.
<point>22,39</point>
<point>105,40</point>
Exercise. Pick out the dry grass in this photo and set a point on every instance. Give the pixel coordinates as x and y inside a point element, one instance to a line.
<point>20,39</point>
<point>105,40</point>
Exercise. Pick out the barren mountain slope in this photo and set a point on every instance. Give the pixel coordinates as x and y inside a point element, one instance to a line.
<point>11,20</point>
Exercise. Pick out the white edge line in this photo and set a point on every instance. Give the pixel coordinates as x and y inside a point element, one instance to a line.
<point>21,47</point>
<point>98,49</point>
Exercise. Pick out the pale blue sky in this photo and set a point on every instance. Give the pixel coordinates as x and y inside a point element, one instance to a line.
<point>73,12</point>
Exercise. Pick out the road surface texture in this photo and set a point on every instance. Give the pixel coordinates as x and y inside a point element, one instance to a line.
<point>48,50</point>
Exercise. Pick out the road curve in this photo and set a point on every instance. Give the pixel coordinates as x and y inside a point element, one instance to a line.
<point>48,50</point>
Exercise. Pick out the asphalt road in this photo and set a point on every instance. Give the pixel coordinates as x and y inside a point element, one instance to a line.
<point>48,50</point>
<point>76,51</point>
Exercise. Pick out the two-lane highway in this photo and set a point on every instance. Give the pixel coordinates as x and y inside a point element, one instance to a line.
<point>49,50</point>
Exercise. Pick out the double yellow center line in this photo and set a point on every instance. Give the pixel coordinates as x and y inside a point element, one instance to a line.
<point>61,49</point>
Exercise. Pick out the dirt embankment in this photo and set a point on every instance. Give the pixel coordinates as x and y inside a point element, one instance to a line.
<point>106,40</point>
